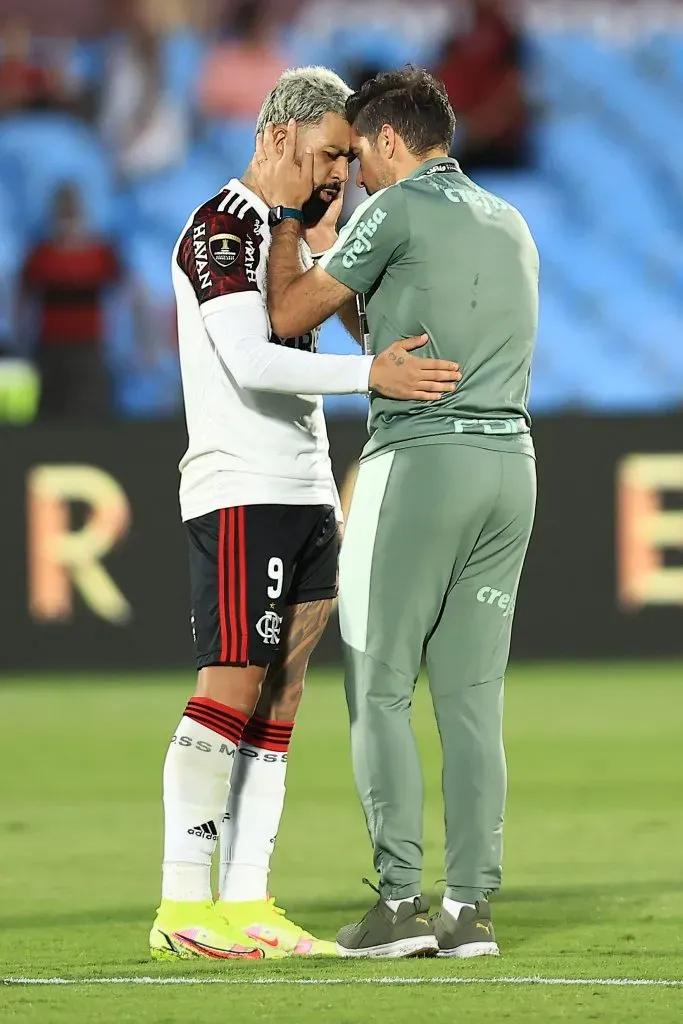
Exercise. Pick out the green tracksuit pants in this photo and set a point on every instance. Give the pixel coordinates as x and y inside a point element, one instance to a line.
<point>430,564</point>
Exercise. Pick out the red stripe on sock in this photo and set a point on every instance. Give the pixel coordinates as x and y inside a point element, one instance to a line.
<point>228,730</point>
<point>221,586</point>
<point>212,707</point>
<point>232,583</point>
<point>209,702</point>
<point>277,728</point>
<point>268,734</point>
<point>244,647</point>
<point>226,721</point>
<point>272,745</point>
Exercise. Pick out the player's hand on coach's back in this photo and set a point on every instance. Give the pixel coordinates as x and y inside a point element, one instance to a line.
<point>397,374</point>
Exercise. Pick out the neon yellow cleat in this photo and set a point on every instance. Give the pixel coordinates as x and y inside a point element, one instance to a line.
<point>266,925</point>
<point>187,930</point>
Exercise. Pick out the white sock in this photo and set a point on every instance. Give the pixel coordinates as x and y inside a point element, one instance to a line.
<point>252,819</point>
<point>453,907</point>
<point>395,904</point>
<point>197,772</point>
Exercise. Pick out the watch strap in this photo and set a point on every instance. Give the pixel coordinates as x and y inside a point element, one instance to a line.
<point>280,213</point>
<point>294,214</point>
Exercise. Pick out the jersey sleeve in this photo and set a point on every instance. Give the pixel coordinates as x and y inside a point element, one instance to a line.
<point>239,334</point>
<point>375,236</point>
<point>219,253</point>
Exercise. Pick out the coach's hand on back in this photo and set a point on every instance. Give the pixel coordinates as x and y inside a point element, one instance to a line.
<point>397,374</point>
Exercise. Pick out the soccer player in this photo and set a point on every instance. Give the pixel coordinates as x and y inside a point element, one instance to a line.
<point>258,499</point>
<point>444,501</point>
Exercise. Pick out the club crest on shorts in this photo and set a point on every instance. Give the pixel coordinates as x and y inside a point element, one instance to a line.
<point>268,627</point>
<point>225,249</point>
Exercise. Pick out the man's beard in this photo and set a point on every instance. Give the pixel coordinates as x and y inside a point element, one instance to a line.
<point>315,208</point>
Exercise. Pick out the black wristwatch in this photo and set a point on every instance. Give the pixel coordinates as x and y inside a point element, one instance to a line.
<point>279,213</point>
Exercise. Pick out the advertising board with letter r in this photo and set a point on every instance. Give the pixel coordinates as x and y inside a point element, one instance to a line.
<point>94,562</point>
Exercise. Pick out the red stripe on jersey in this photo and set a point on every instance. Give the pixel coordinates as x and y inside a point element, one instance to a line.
<point>244,629</point>
<point>221,586</point>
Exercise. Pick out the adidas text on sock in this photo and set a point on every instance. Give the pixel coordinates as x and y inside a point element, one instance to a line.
<point>197,773</point>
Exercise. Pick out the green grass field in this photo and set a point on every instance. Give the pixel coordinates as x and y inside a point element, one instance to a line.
<point>594,862</point>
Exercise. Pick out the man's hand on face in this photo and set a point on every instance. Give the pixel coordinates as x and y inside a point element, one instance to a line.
<point>282,179</point>
<point>397,374</point>
<point>323,235</point>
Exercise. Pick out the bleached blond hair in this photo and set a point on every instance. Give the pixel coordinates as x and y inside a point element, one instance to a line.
<point>306,94</point>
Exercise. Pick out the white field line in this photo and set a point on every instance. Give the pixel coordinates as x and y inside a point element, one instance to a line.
<point>532,980</point>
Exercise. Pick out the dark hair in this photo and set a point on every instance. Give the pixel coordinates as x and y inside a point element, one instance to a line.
<point>412,101</point>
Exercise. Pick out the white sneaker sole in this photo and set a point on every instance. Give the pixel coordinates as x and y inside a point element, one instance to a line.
<point>471,949</point>
<point>415,946</point>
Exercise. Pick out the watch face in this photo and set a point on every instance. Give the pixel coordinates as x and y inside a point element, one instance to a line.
<point>275,216</point>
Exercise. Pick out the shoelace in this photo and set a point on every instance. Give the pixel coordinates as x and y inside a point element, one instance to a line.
<point>434,916</point>
<point>366,881</point>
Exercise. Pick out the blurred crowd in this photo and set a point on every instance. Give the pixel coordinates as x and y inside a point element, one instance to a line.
<point>154,90</point>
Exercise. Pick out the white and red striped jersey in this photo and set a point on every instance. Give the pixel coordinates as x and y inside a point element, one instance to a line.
<point>254,413</point>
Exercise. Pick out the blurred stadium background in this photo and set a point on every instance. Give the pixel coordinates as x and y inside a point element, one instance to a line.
<point>572,111</point>
<point>117,117</point>
<point>120,116</point>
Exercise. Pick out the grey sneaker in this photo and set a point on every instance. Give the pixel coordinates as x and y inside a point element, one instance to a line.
<point>385,933</point>
<point>470,935</point>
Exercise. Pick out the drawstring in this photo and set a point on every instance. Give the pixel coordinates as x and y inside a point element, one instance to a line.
<point>366,881</point>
